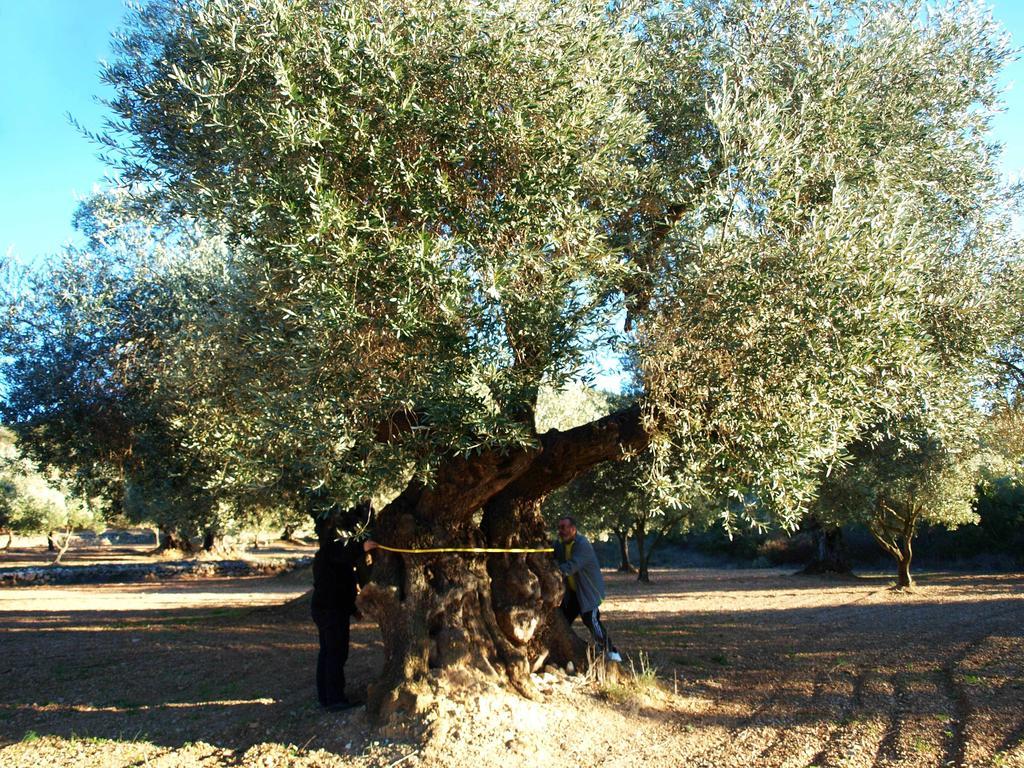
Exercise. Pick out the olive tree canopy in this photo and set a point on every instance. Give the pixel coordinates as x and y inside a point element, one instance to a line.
<point>787,213</point>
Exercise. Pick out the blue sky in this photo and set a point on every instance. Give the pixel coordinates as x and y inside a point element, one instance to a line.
<point>49,54</point>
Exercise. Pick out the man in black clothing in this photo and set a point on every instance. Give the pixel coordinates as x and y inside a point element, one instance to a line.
<point>334,603</point>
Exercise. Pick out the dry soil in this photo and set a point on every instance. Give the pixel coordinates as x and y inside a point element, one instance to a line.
<point>750,668</point>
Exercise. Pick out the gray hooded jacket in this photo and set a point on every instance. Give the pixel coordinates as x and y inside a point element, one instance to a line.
<point>584,566</point>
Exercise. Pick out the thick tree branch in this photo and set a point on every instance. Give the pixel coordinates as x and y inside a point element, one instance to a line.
<point>566,455</point>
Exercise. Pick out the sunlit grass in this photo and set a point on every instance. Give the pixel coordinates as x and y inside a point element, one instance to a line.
<point>635,686</point>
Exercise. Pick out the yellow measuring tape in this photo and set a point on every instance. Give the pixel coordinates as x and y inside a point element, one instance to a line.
<point>481,550</point>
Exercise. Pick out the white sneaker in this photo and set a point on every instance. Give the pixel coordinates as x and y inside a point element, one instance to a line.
<point>613,656</point>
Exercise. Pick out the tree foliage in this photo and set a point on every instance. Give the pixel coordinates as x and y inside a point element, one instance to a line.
<point>82,341</point>
<point>843,257</point>
<point>433,210</point>
<point>32,502</point>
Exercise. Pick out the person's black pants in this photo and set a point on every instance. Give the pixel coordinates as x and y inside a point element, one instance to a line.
<point>592,619</point>
<point>333,628</point>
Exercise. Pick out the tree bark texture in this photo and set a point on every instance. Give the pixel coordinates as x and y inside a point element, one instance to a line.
<point>904,580</point>
<point>171,539</point>
<point>497,614</point>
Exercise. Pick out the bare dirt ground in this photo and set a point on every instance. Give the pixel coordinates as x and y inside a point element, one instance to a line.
<point>31,553</point>
<point>753,668</point>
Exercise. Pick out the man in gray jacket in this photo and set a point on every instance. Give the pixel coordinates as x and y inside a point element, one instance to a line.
<point>584,585</point>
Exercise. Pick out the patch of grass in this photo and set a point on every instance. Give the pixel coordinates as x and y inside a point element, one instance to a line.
<point>720,659</point>
<point>30,736</point>
<point>973,680</point>
<point>921,747</point>
<point>634,687</point>
<point>91,739</point>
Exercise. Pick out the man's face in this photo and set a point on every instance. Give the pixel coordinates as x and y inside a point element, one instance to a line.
<point>566,530</point>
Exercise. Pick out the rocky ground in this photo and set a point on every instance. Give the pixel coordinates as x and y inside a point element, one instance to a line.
<point>724,668</point>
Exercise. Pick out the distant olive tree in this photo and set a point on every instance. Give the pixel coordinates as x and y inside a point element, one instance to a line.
<point>82,339</point>
<point>32,502</point>
<point>904,472</point>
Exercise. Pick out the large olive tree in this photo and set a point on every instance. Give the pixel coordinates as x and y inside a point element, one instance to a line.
<point>785,212</point>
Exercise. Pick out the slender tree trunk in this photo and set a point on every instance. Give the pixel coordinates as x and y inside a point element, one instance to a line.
<point>895,533</point>
<point>51,546</point>
<point>10,539</point>
<point>288,533</point>
<point>622,535</point>
<point>209,540</point>
<point>63,547</point>
<point>904,580</point>
<point>643,554</point>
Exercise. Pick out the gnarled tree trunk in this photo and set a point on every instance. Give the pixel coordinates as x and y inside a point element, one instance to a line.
<point>830,555</point>
<point>497,614</point>
<point>171,539</point>
<point>894,531</point>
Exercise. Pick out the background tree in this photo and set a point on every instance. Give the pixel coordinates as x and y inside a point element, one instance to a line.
<point>435,212</point>
<point>81,340</point>
<point>33,503</point>
<point>905,472</point>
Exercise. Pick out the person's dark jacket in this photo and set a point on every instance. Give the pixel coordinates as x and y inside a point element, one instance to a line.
<point>334,576</point>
